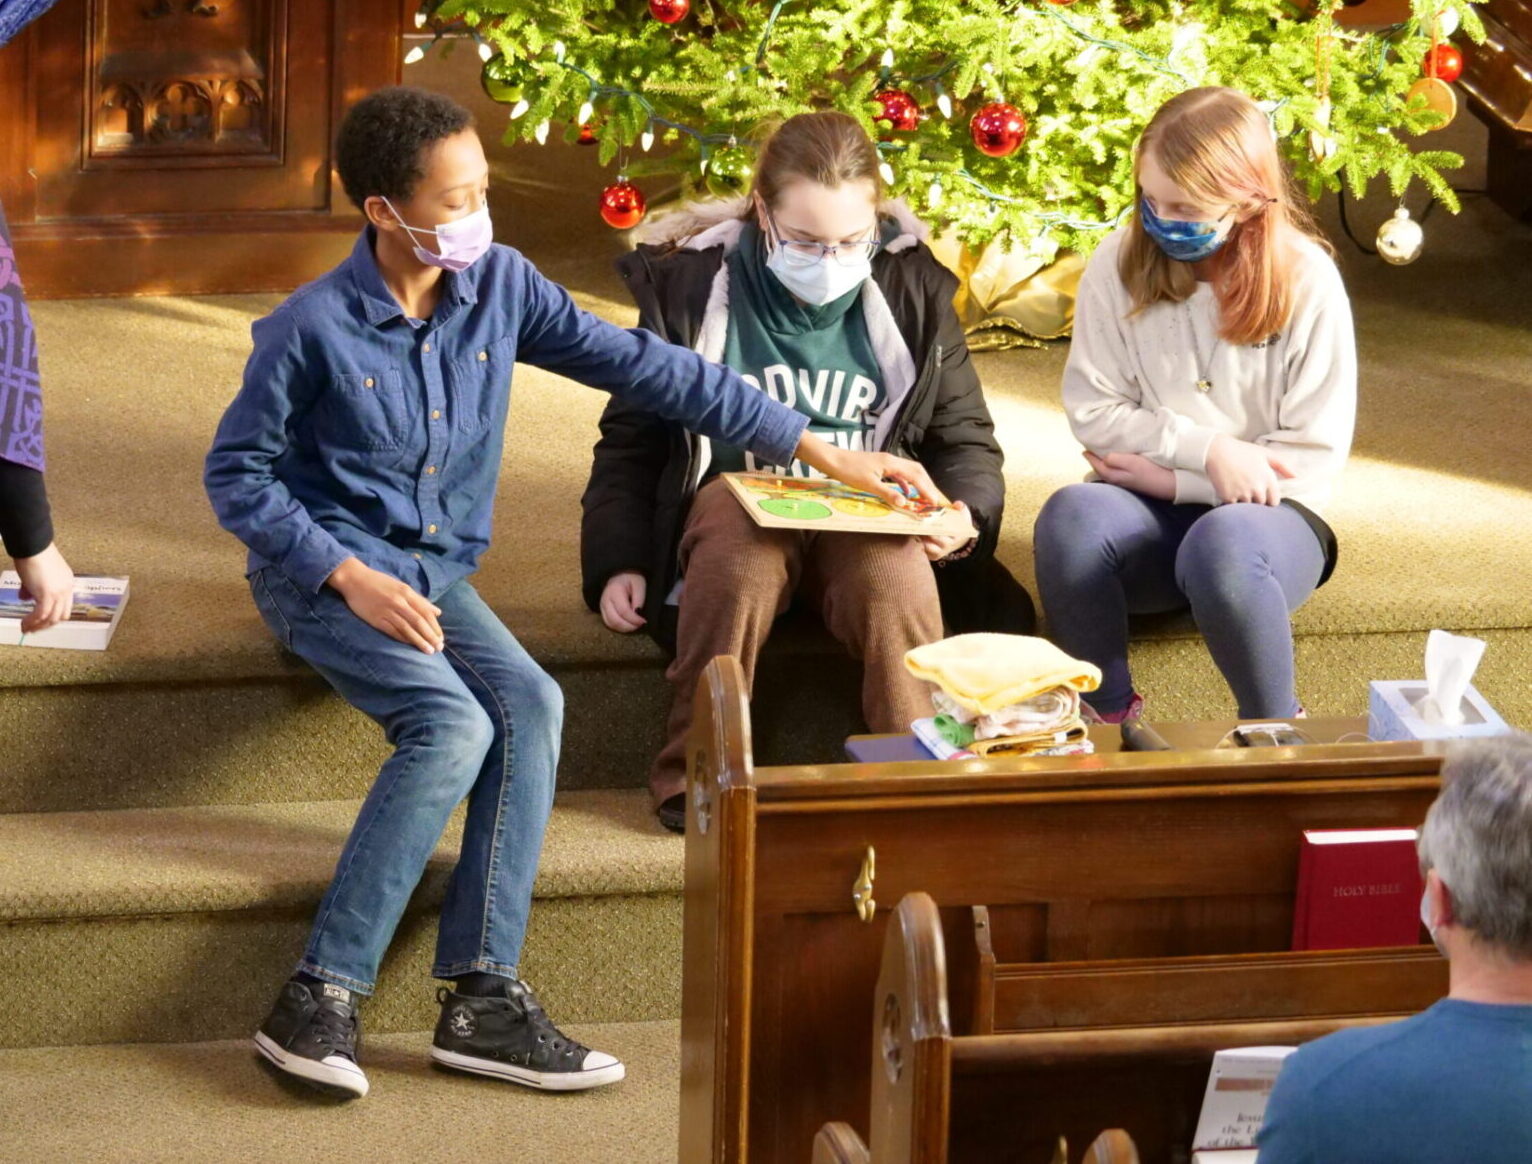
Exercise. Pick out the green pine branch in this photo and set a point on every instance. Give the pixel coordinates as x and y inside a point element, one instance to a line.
<point>1087,76</point>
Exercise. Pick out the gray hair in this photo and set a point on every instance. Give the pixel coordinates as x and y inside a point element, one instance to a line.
<point>1478,838</point>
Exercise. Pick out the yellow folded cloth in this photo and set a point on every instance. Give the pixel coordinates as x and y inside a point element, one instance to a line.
<point>1029,745</point>
<point>986,672</point>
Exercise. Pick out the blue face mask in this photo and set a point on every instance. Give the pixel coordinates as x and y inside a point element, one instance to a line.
<point>1186,242</point>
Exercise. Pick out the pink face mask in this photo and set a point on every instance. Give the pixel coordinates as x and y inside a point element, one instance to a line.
<point>460,242</point>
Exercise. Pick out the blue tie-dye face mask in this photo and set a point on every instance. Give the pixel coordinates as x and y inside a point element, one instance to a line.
<point>1186,242</point>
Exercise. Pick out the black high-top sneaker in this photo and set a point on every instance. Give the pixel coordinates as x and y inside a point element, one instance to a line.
<point>508,1036</point>
<point>312,1033</point>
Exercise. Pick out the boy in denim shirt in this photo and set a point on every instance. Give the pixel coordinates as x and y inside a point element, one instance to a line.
<point>358,463</point>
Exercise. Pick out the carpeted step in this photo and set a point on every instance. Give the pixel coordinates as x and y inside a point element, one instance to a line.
<point>162,745</point>
<point>261,740</point>
<point>214,1101</point>
<point>180,924</point>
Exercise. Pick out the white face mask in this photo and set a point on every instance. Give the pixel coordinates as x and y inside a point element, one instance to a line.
<point>817,281</point>
<point>461,242</point>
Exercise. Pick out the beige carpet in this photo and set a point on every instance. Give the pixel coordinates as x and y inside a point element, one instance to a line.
<point>141,862</point>
<point>187,918</point>
<point>201,1103</point>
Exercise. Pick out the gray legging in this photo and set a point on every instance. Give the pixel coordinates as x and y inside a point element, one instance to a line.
<point>1104,552</point>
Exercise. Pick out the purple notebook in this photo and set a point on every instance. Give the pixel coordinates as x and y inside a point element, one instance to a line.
<point>885,749</point>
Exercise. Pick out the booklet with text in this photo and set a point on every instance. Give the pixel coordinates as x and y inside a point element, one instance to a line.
<point>98,606</point>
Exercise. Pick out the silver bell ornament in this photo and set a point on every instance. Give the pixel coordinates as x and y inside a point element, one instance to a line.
<point>1400,239</point>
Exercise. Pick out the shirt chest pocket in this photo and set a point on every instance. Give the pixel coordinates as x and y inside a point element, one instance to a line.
<point>362,411</point>
<point>479,380</point>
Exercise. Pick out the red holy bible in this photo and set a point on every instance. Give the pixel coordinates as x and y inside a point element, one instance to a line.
<point>1357,888</point>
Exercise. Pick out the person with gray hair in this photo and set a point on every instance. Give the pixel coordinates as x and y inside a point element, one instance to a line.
<point>1453,1083</point>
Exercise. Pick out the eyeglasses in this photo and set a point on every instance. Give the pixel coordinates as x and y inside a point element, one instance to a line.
<point>803,254</point>
<point>1203,217</point>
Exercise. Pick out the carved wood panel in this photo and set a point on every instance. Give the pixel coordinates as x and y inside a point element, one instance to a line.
<point>154,146</point>
<point>185,79</point>
<point>184,107</point>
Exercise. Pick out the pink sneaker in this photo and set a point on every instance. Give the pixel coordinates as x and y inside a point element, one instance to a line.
<point>1134,710</point>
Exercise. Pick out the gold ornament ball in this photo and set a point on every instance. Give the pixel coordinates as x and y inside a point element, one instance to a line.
<point>729,172</point>
<point>503,81</point>
<point>1438,96</point>
<point>1400,239</point>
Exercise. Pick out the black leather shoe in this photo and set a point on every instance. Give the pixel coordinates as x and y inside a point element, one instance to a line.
<point>672,812</point>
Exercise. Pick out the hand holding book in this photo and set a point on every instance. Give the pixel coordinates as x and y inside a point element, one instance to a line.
<point>85,612</point>
<point>46,581</point>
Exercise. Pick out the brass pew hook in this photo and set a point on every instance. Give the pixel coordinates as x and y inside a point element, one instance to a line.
<point>861,888</point>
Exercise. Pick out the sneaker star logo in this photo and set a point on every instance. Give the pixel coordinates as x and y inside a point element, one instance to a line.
<point>461,1022</point>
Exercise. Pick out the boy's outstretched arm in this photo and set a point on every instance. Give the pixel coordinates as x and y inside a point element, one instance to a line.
<point>680,385</point>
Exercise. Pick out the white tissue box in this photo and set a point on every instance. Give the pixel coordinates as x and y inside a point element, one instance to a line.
<point>1393,713</point>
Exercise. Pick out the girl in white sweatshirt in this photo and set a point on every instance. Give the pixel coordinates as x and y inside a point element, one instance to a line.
<point>1212,381</point>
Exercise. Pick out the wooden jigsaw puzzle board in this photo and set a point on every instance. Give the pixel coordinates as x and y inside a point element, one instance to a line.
<point>826,506</point>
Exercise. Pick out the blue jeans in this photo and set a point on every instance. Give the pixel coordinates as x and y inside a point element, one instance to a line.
<point>479,719</point>
<point>1104,552</point>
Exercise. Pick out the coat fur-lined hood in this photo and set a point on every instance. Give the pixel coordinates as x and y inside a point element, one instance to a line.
<point>711,222</point>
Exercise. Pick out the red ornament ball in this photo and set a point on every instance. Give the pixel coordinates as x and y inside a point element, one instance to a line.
<point>1445,62</point>
<point>587,134</point>
<point>898,109</point>
<point>623,205</point>
<point>998,129</point>
<point>669,11</point>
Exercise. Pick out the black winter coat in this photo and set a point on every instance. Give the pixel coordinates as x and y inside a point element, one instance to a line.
<point>640,489</point>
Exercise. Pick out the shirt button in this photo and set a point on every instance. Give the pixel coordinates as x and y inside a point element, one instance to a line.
<point>430,470</point>
<point>436,414</point>
<point>430,529</point>
<point>367,383</point>
<point>426,348</point>
<point>483,355</point>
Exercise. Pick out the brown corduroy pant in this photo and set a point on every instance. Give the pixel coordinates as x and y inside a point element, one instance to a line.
<point>875,592</point>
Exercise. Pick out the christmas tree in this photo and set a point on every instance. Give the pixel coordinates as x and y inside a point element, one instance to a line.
<point>994,118</point>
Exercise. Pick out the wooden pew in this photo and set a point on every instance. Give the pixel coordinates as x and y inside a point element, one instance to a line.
<point>838,1143</point>
<point>1008,1093</point>
<point>1089,859</point>
<point>1113,1146</point>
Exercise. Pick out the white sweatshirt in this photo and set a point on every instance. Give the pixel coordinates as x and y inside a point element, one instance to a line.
<point>1130,385</point>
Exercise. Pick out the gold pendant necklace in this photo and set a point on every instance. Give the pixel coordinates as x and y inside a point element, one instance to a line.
<point>1204,371</point>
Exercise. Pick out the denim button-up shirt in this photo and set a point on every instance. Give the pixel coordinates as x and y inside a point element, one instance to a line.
<point>359,432</point>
